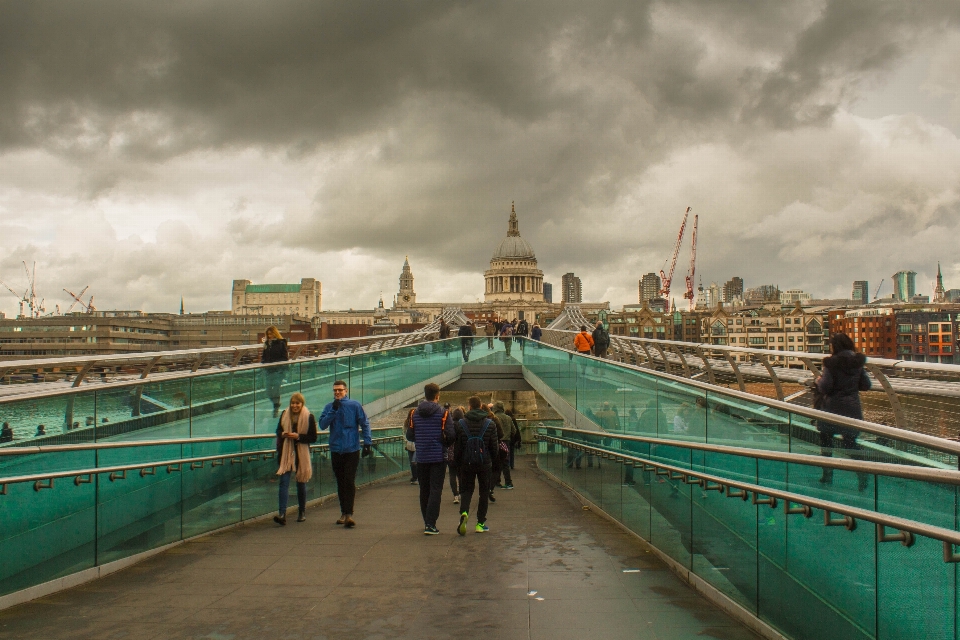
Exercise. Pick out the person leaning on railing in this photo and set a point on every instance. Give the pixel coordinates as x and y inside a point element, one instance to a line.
<point>838,391</point>
<point>274,350</point>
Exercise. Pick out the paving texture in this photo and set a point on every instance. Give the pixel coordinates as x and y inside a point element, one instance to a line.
<point>385,579</point>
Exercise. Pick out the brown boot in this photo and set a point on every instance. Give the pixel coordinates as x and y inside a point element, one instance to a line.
<point>343,518</point>
<point>348,521</point>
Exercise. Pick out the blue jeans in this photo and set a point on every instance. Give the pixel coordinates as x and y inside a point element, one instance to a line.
<point>285,494</point>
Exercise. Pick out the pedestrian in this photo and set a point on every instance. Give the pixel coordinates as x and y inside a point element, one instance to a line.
<point>495,476</point>
<point>410,447</point>
<point>516,441</point>
<point>601,340</point>
<point>490,330</point>
<point>839,387</point>
<point>506,336</point>
<point>296,431</point>
<point>431,428</point>
<point>522,331</point>
<point>274,350</point>
<point>41,430</point>
<point>536,333</point>
<point>583,341</point>
<point>443,333</point>
<point>452,472</point>
<point>346,420</point>
<point>474,453</point>
<point>6,434</point>
<point>510,432</point>
<point>465,333</point>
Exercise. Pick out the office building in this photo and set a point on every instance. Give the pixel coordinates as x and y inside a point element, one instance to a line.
<point>861,292</point>
<point>547,292</point>
<point>649,287</point>
<point>733,289</point>
<point>302,299</point>
<point>904,285</point>
<point>572,289</point>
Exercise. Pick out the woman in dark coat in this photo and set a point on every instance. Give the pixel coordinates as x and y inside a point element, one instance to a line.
<point>274,350</point>
<point>844,377</point>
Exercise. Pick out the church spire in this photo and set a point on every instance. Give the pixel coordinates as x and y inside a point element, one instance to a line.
<point>939,294</point>
<point>514,228</point>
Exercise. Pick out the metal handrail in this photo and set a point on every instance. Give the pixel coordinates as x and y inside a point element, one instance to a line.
<point>196,359</point>
<point>121,384</point>
<point>913,437</point>
<point>78,474</point>
<point>60,448</point>
<point>766,495</point>
<point>926,474</point>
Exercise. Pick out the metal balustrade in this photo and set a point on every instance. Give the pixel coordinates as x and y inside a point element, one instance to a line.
<point>810,566</point>
<point>923,397</point>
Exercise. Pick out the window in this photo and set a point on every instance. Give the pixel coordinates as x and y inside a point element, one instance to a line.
<point>945,328</point>
<point>757,340</point>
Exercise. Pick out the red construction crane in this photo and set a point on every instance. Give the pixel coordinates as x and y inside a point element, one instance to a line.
<point>77,297</point>
<point>693,265</point>
<point>667,279</point>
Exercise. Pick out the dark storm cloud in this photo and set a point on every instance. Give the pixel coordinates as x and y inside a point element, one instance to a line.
<point>430,117</point>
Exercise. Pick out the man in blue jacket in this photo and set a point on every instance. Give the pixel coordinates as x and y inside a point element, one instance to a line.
<point>346,418</point>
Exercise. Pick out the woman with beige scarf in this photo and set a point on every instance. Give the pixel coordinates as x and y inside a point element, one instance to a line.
<point>296,431</point>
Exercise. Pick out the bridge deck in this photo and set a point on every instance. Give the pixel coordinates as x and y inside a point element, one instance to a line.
<point>385,579</point>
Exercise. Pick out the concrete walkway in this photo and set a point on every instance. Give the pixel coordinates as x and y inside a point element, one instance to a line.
<point>385,579</point>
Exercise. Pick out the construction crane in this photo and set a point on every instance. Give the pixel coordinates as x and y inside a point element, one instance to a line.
<point>877,292</point>
<point>693,265</point>
<point>28,299</point>
<point>667,278</point>
<point>78,298</point>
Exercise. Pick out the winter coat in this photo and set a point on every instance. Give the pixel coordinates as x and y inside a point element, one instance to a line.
<point>274,351</point>
<point>444,331</point>
<point>522,328</point>
<point>490,329</point>
<point>583,342</point>
<point>509,427</point>
<point>429,432</point>
<point>601,339</point>
<point>536,333</point>
<point>844,377</point>
<point>474,420</point>
<point>345,424</point>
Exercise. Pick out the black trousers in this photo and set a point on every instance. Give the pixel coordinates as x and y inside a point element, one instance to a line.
<point>454,476</point>
<point>466,346</point>
<point>431,476</point>
<point>504,471</point>
<point>345,469</point>
<point>468,482</point>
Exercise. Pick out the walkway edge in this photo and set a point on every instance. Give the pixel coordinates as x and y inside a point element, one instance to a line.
<point>734,609</point>
<point>103,570</point>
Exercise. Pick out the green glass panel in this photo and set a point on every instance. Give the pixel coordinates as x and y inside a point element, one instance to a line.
<point>259,477</point>
<point>222,404</point>
<point>917,590</point>
<point>725,532</point>
<point>50,532</point>
<point>138,509</point>
<point>670,521</point>
<point>211,490</point>
<point>740,423</point>
<point>66,419</point>
<point>274,384</point>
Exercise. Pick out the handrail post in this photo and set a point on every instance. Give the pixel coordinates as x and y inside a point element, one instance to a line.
<point>773,376</point>
<point>706,365</point>
<point>736,371</point>
<point>891,394</point>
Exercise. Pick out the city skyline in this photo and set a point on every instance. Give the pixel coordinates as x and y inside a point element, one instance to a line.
<point>817,142</point>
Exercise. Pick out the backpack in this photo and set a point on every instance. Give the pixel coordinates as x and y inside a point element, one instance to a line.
<point>475,454</point>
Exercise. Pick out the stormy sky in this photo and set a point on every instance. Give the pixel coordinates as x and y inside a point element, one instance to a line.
<point>154,150</point>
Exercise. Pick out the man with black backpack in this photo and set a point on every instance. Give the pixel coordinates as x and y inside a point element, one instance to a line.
<point>475,451</point>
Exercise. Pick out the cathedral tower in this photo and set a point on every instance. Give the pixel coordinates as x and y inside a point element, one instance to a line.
<point>406,297</point>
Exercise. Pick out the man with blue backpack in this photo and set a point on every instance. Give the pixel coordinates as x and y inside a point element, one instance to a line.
<point>476,453</point>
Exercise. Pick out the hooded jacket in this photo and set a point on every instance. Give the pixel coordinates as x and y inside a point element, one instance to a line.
<point>429,432</point>
<point>474,420</point>
<point>841,383</point>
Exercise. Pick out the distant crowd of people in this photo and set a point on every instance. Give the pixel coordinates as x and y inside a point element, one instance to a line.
<point>507,331</point>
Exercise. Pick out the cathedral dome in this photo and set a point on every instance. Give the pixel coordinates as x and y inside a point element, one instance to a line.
<point>513,247</point>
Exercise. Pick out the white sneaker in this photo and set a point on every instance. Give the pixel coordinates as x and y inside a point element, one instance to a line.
<point>456,499</point>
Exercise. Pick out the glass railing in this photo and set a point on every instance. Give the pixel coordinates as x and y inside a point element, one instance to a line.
<point>779,561</point>
<point>112,503</point>
<point>238,401</point>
